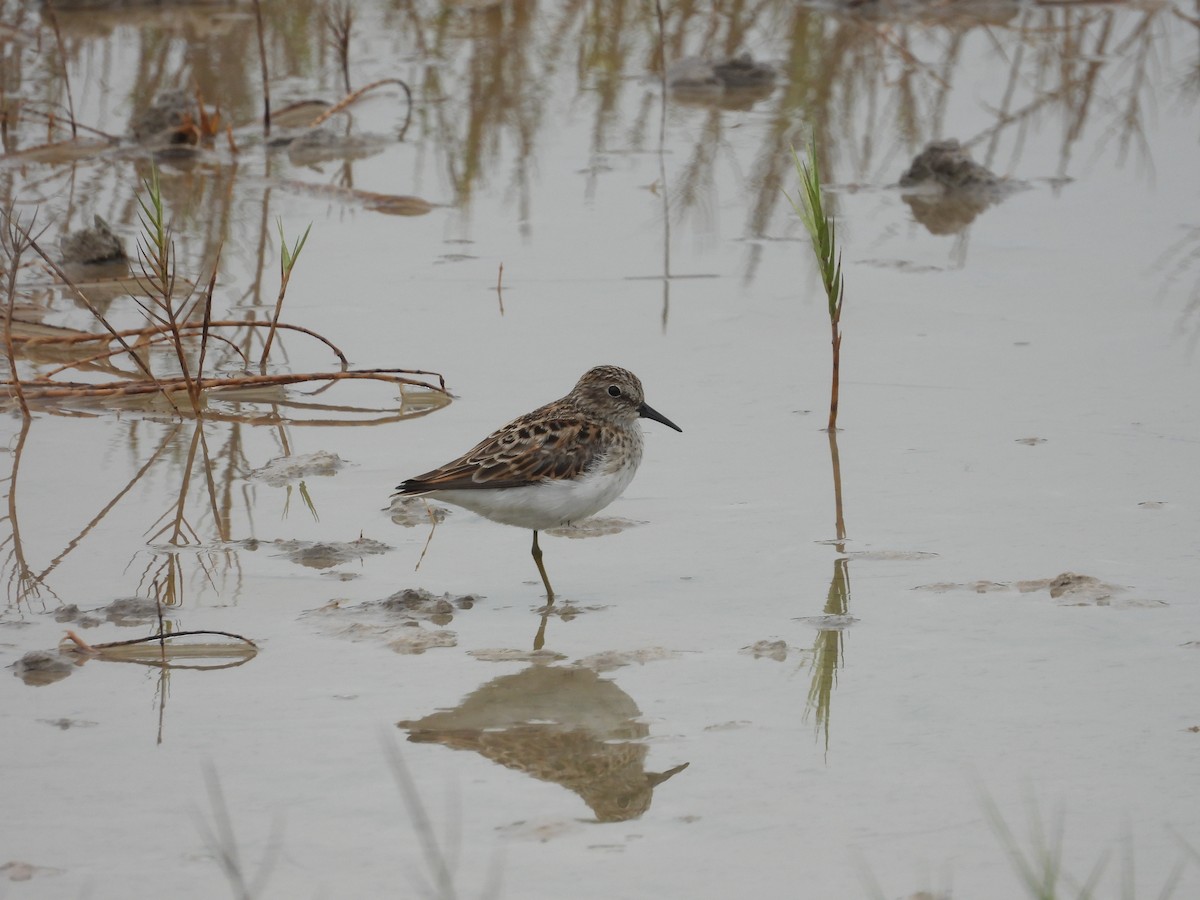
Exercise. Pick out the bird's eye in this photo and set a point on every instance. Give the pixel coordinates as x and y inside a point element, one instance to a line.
<point>614,391</point>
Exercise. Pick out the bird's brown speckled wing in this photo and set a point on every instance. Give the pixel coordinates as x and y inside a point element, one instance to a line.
<point>538,446</point>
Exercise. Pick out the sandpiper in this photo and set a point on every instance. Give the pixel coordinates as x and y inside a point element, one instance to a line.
<point>559,464</point>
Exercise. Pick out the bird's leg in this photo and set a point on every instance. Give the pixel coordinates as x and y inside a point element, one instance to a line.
<point>537,558</point>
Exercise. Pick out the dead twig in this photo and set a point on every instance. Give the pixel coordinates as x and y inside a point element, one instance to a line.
<point>156,330</point>
<point>84,647</point>
<point>62,58</point>
<point>262,56</point>
<point>15,242</point>
<point>65,279</point>
<point>135,388</point>
<point>353,97</point>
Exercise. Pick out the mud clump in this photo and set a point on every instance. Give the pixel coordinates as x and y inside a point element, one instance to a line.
<point>98,245</point>
<point>736,82</point>
<point>124,611</point>
<point>162,121</point>
<point>948,164</point>
<point>946,189</point>
<point>1067,589</point>
<point>399,620</point>
<point>733,73</point>
<point>765,649</point>
<point>326,554</point>
<point>596,526</point>
<point>422,604</point>
<point>283,470</point>
<point>421,640</point>
<point>39,668</point>
<point>409,512</point>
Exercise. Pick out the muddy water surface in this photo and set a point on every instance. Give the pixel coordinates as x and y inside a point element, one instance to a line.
<point>731,695</point>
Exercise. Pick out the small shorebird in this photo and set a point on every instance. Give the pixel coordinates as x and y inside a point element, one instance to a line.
<point>559,464</point>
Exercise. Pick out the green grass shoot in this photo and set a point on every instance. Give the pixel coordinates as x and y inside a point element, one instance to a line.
<point>810,207</point>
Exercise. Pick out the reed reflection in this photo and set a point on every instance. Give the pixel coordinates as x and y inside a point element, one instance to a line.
<point>560,724</point>
<point>828,648</point>
<point>873,86</point>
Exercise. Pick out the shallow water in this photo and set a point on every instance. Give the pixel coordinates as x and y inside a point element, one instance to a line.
<point>823,755</point>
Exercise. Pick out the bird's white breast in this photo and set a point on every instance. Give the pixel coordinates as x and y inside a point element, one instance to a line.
<point>554,502</point>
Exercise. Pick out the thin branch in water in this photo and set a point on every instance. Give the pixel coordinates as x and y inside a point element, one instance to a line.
<point>262,57</point>
<point>148,334</point>
<point>83,298</point>
<point>15,242</point>
<point>62,58</point>
<point>206,324</point>
<point>137,388</point>
<point>83,646</point>
<point>352,97</point>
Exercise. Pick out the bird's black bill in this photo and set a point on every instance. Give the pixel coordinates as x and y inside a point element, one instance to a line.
<point>648,412</point>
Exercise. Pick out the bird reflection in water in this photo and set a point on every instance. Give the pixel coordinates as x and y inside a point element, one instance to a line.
<point>565,725</point>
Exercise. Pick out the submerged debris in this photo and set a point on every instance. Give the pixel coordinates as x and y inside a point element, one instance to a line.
<point>282,470</point>
<point>418,640</point>
<point>776,650</point>
<point>500,654</point>
<point>409,512</point>
<point>399,619</point>
<point>422,604</point>
<point>16,870</point>
<point>597,526</point>
<point>124,611</point>
<point>615,659</point>
<point>92,246</point>
<point>1069,589</point>
<point>39,668</point>
<point>327,554</point>
<point>65,724</point>
<point>693,73</point>
<point>735,82</point>
<point>890,555</point>
<point>829,623</point>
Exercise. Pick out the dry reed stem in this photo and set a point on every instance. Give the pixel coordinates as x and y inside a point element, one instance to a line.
<point>136,388</point>
<point>94,649</point>
<point>15,245</point>
<point>65,279</point>
<point>352,97</point>
<point>154,341</point>
<point>153,331</point>
<point>62,58</point>
<point>75,126</point>
<point>206,324</point>
<point>262,56</point>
